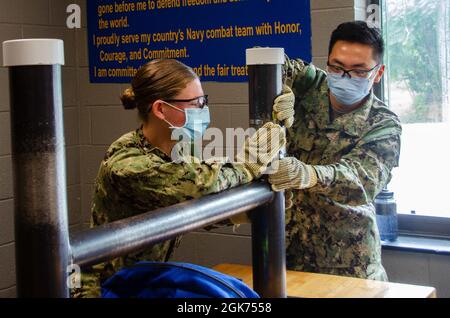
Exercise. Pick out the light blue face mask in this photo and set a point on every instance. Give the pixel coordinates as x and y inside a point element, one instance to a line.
<point>197,120</point>
<point>349,91</point>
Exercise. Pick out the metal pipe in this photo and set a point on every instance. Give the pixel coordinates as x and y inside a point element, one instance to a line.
<point>41,229</point>
<point>268,222</point>
<point>132,234</point>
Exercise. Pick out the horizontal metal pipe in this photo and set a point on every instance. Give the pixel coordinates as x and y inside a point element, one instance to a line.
<point>133,234</point>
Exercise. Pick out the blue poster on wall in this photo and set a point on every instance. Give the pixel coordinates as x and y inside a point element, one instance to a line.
<point>209,35</point>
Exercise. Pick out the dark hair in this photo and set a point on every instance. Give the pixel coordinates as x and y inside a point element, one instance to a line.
<point>158,79</point>
<point>359,32</point>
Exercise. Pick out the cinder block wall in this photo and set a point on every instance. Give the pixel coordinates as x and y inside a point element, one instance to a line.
<point>93,118</point>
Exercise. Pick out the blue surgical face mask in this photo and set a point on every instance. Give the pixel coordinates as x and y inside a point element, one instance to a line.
<point>349,91</point>
<point>197,120</point>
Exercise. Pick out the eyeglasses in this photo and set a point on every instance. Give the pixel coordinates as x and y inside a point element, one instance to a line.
<point>351,73</point>
<point>202,101</point>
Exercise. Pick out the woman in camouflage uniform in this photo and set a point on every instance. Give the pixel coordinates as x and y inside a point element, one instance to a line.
<point>138,174</point>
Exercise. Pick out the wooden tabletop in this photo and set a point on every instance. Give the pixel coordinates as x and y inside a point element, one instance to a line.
<point>311,285</point>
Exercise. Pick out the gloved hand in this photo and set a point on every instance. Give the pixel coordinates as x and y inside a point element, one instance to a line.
<point>283,107</point>
<point>262,148</point>
<point>292,174</point>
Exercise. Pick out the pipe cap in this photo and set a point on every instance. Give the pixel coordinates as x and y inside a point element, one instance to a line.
<point>265,56</point>
<point>33,52</point>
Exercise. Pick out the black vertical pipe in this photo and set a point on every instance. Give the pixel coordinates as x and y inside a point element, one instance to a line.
<point>268,222</point>
<point>41,227</point>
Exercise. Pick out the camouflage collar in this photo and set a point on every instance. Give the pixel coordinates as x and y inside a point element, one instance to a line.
<point>354,123</point>
<point>146,146</point>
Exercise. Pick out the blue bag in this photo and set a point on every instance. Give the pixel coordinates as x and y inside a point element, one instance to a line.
<point>173,280</point>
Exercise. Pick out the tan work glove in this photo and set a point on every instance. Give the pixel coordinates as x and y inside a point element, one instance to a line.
<point>262,148</point>
<point>293,174</point>
<point>283,107</point>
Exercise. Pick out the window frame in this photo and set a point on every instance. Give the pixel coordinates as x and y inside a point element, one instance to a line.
<point>410,224</point>
<point>379,88</point>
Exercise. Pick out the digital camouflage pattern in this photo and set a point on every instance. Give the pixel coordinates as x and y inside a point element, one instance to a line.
<point>331,227</point>
<point>136,177</point>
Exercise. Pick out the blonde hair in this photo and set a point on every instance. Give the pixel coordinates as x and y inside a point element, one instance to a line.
<point>158,79</point>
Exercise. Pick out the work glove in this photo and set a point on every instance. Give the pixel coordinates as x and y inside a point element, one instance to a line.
<point>262,148</point>
<point>292,174</point>
<point>283,107</point>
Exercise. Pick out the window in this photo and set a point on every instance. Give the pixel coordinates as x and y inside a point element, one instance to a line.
<point>416,87</point>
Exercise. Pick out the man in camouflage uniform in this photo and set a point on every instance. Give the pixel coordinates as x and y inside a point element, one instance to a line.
<point>341,157</point>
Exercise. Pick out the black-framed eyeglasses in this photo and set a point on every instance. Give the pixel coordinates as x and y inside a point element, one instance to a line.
<point>351,73</point>
<point>202,101</point>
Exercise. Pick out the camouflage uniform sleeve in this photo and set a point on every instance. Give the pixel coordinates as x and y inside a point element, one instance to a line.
<point>302,76</point>
<point>135,173</point>
<point>361,174</point>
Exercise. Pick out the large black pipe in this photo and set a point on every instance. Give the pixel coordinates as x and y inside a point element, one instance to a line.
<point>41,229</point>
<point>132,234</point>
<point>268,222</point>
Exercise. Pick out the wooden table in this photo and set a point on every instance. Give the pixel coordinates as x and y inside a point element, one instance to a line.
<point>311,285</point>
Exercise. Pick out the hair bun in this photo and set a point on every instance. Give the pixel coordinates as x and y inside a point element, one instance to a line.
<point>128,99</point>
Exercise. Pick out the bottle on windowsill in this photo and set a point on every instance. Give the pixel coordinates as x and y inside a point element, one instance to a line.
<point>387,220</point>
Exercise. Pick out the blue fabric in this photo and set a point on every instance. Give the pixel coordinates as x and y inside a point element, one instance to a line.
<point>173,280</point>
